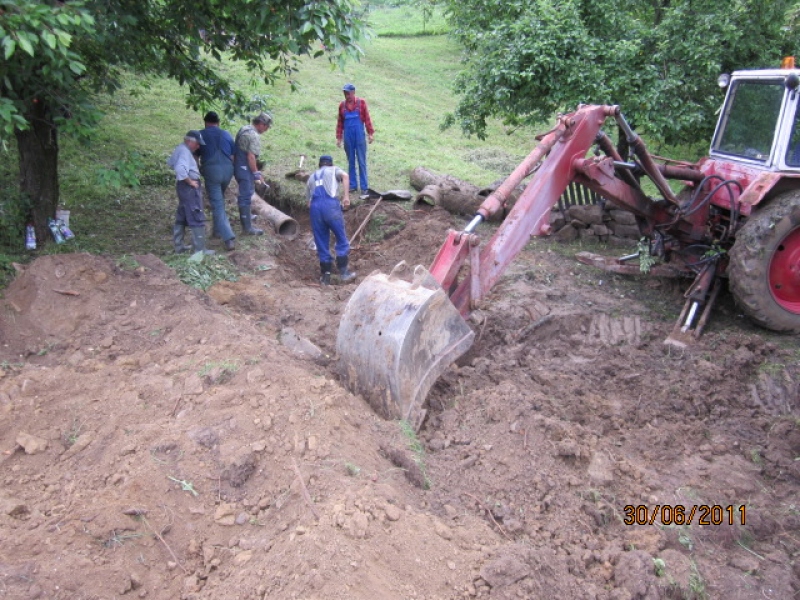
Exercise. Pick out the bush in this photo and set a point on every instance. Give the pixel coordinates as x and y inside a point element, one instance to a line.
<point>15,212</point>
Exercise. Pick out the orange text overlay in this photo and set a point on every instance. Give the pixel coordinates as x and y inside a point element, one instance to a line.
<point>678,514</point>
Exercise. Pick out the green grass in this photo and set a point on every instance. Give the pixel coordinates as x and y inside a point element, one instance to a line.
<point>201,271</point>
<point>406,21</point>
<point>226,366</point>
<point>416,449</point>
<point>406,80</point>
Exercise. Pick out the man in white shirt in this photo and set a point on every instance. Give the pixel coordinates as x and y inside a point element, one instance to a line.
<point>326,216</point>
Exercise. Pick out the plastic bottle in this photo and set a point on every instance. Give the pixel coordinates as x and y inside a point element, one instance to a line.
<point>65,231</point>
<point>30,237</point>
<point>59,239</point>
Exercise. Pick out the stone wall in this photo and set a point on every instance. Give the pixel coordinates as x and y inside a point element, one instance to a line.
<point>594,222</point>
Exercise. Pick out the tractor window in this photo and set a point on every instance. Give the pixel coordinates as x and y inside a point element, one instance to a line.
<point>793,152</point>
<point>750,119</point>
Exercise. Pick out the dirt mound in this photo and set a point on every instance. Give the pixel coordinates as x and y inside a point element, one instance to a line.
<point>161,442</point>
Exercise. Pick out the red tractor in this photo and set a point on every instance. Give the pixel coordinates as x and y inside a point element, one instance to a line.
<point>737,216</point>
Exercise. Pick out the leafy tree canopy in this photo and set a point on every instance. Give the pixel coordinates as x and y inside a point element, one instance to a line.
<point>56,55</point>
<point>60,53</point>
<point>658,59</point>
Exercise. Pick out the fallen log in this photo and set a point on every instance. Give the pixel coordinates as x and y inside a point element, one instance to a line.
<point>455,195</point>
<point>421,177</point>
<point>459,201</point>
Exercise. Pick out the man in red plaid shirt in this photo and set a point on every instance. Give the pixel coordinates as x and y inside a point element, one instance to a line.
<point>350,127</point>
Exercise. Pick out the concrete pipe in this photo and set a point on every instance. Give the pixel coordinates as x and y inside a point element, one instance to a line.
<point>283,225</point>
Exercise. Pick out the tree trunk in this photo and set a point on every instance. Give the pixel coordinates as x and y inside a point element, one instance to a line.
<point>38,168</point>
<point>421,177</point>
<point>459,201</point>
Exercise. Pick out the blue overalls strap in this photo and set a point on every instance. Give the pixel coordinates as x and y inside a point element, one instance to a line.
<point>356,109</point>
<point>353,129</point>
<point>320,192</point>
<point>211,153</point>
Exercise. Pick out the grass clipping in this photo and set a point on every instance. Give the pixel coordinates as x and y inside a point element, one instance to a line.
<point>202,270</point>
<point>412,459</point>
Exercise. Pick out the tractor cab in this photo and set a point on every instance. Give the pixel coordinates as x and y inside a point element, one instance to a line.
<point>757,147</point>
<point>759,125</point>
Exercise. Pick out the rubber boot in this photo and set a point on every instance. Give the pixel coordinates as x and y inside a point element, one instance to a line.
<point>199,240</point>
<point>246,219</point>
<point>344,274</point>
<point>177,239</point>
<point>325,270</point>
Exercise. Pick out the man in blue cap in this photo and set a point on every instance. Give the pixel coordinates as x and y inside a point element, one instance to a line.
<point>190,194</point>
<point>326,216</point>
<point>352,121</point>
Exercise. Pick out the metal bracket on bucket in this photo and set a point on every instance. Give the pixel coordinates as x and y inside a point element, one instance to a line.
<point>396,338</point>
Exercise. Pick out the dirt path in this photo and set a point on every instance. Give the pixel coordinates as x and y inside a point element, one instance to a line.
<point>159,442</point>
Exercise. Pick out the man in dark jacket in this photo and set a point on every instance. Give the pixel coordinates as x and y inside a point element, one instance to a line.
<point>216,165</point>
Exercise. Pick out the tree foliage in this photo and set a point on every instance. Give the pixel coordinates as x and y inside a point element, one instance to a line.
<point>658,59</point>
<point>62,52</point>
<point>40,66</point>
<point>57,55</point>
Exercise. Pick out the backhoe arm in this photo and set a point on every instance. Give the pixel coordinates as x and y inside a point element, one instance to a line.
<point>397,337</point>
<point>565,148</point>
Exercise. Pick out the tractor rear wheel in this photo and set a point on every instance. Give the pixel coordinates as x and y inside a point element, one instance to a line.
<point>765,264</point>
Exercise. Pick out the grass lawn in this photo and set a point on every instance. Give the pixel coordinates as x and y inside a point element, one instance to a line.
<point>407,99</point>
<point>405,77</point>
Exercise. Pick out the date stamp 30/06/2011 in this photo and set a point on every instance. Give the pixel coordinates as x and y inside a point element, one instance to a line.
<point>678,514</point>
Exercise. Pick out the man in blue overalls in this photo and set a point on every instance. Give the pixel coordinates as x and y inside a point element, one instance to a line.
<point>326,216</point>
<point>352,121</point>
<point>216,166</point>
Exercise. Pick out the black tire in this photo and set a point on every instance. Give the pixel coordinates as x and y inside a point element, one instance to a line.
<point>765,264</point>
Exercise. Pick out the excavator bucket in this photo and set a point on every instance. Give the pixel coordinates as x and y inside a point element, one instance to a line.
<point>396,338</point>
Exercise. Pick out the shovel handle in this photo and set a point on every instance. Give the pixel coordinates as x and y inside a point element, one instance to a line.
<point>365,221</point>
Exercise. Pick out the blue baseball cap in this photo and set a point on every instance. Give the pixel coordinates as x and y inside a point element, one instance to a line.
<point>349,87</point>
<point>325,159</point>
<point>195,136</point>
